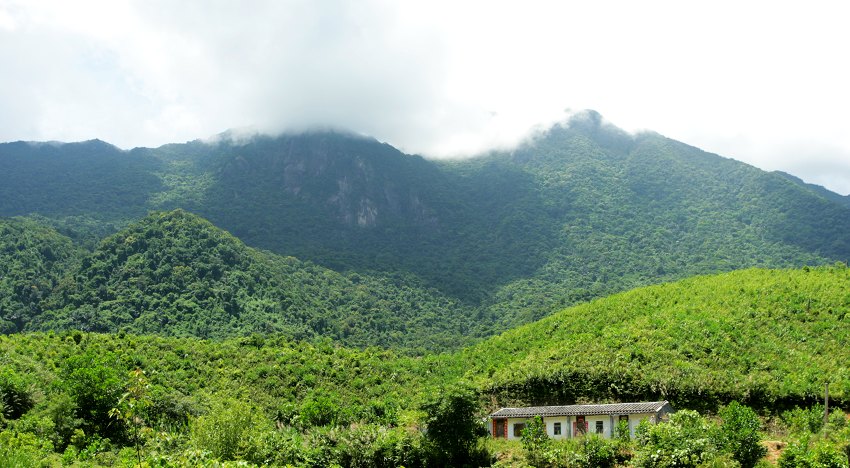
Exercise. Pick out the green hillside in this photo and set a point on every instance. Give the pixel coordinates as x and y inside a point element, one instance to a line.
<point>310,404</point>
<point>173,273</point>
<point>637,210</point>
<point>770,338</point>
<point>64,179</point>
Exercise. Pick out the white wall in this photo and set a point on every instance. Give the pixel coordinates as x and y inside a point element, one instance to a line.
<point>567,425</point>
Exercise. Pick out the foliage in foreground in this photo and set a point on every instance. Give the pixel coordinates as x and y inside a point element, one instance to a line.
<point>116,400</point>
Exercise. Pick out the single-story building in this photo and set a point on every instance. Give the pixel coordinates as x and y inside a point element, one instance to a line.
<point>565,422</point>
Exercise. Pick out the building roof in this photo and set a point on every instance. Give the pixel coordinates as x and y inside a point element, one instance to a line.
<point>647,407</point>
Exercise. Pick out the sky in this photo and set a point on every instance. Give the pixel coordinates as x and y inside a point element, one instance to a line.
<point>767,83</point>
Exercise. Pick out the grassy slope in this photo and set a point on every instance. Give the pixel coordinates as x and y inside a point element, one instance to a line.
<point>762,336</point>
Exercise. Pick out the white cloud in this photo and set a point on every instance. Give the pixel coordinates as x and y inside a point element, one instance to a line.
<point>748,80</point>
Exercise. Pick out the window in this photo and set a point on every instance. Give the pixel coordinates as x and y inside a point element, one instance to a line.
<point>599,427</point>
<point>518,428</point>
<point>556,429</point>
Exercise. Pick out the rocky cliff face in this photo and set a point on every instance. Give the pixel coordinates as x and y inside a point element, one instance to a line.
<point>352,179</point>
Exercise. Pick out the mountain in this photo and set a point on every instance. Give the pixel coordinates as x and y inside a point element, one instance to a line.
<point>63,179</point>
<point>580,211</point>
<point>173,273</point>
<point>818,189</point>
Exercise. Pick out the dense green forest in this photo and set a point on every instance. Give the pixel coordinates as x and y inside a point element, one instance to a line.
<point>32,260</point>
<point>173,273</point>
<point>580,211</point>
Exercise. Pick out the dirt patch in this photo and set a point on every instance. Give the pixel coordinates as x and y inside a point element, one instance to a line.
<point>774,449</point>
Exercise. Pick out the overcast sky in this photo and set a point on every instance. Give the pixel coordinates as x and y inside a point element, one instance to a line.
<point>767,83</point>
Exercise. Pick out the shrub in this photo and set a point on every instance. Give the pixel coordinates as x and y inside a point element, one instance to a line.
<point>595,452</point>
<point>22,449</point>
<point>739,434</point>
<point>535,441</point>
<point>803,420</point>
<point>94,387</point>
<point>453,432</point>
<point>15,396</point>
<point>821,455</point>
<point>319,410</point>
<point>684,441</point>
<point>228,429</point>
<point>371,445</point>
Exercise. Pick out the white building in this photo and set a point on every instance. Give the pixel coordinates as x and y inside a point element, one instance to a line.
<point>564,422</point>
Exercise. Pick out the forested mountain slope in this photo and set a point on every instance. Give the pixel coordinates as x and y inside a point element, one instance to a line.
<point>770,338</point>
<point>580,211</point>
<point>174,273</point>
<point>33,258</point>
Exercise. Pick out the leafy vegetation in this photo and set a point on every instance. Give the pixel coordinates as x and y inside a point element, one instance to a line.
<point>581,211</point>
<point>271,400</point>
<point>767,338</point>
<point>176,274</point>
<point>330,358</point>
<point>32,260</point>
<point>117,398</point>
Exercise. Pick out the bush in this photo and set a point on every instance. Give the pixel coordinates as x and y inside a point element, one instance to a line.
<point>15,396</point>
<point>228,430</point>
<point>370,445</point>
<point>535,441</point>
<point>319,410</point>
<point>453,432</point>
<point>22,449</point>
<point>273,447</point>
<point>595,452</point>
<point>804,420</point>
<point>822,455</point>
<point>684,441</point>
<point>94,387</point>
<point>739,434</point>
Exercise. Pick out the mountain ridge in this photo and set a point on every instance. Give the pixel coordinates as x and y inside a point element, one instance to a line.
<point>580,211</point>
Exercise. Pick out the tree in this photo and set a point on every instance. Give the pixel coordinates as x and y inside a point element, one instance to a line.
<point>739,434</point>
<point>132,407</point>
<point>535,441</point>
<point>453,432</point>
<point>95,388</point>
